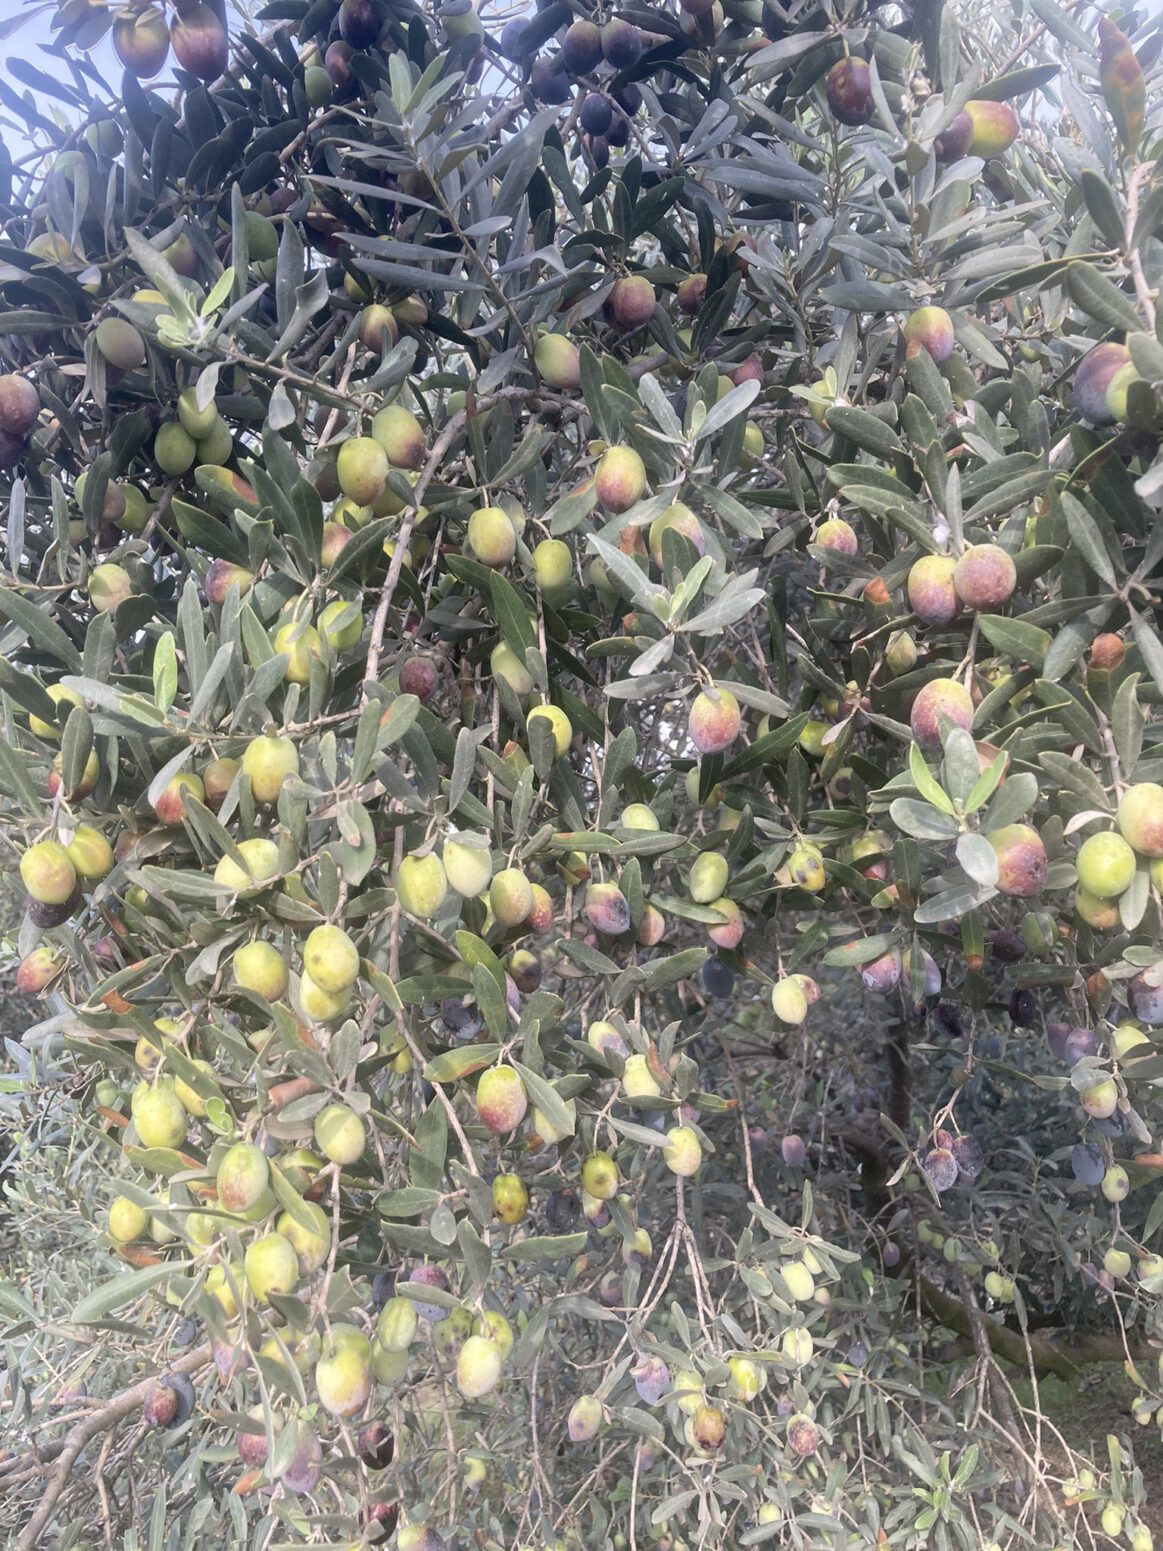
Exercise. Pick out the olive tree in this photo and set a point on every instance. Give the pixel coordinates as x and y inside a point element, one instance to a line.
<point>579,669</point>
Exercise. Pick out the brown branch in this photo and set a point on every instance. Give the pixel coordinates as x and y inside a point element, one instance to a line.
<point>1047,1356</point>
<point>900,1085</point>
<point>115,1411</point>
<point>874,1170</point>
<point>990,1372</point>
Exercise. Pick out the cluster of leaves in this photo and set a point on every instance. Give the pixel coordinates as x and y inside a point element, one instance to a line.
<point>502,644</point>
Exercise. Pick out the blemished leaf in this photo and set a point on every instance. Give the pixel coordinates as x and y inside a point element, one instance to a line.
<point>1123,86</point>
<point>452,1065</point>
<point>862,951</point>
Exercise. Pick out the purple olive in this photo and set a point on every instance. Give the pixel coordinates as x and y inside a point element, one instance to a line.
<point>1087,1163</point>
<point>429,1276</point>
<point>1079,1043</point>
<point>946,1021</point>
<point>651,1380</point>
<point>793,1150</point>
<point>941,1168</point>
<point>1056,1037</point>
<point>968,1156</point>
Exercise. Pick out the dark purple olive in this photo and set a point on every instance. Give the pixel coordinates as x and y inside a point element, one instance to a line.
<point>511,35</point>
<point>1114,1125</point>
<point>383,1287</point>
<point>955,139</point>
<point>618,133</point>
<point>1023,1008</point>
<point>718,977</point>
<point>945,1020</point>
<point>621,44</point>
<point>561,1210</point>
<point>1056,1037</point>
<point>651,1380</point>
<point>358,23</point>
<point>381,1518</point>
<point>46,915</point>
<point>548,81</point>
<point>460,1018</point>
<point>1008,947</point>
<point>595,114</point>
<point>337,63</point>
<point>581,48</point>
<point>429,1276</point>
<point>376,1445</point>
<point>849,91</point>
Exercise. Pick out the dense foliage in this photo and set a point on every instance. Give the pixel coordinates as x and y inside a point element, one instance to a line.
<point>580,666</point>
